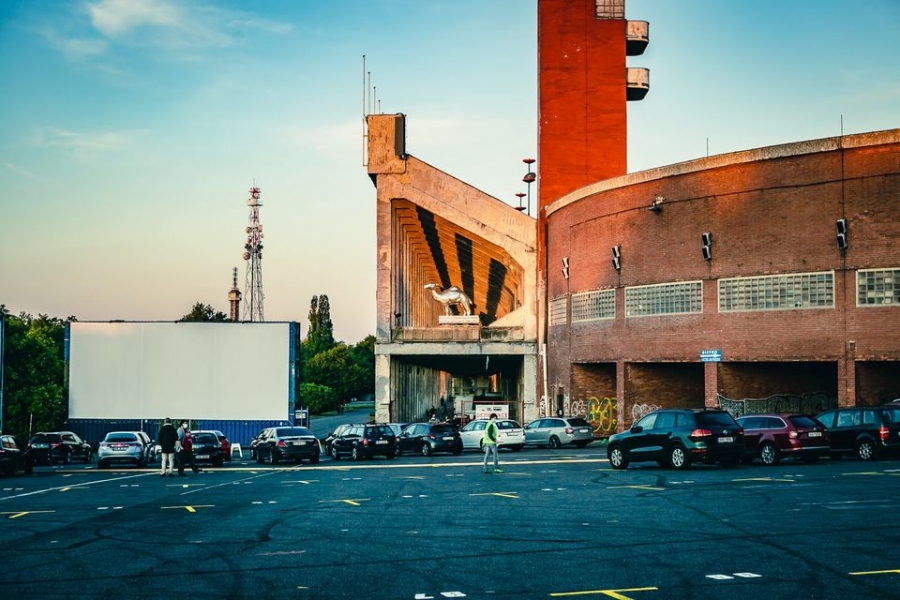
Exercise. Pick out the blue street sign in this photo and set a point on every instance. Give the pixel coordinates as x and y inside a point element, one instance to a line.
<point>710,356</point>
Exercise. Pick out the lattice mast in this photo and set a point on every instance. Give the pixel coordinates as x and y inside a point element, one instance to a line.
<point>253,286</point>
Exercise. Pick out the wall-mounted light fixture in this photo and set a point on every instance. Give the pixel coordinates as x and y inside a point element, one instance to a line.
<point>565,269</point>
<point>706,245</point>
<point>617,258</point>
<point>841,226</point>
<point>656,205</point>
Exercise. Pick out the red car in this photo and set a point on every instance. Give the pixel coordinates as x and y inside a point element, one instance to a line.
<point>774,436</point>
<point>226,445</point>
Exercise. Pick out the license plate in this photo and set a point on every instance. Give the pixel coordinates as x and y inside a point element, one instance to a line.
<point>815,434</point>
<point>448,438</point>
<point>381,441</point>
<point>203,456</point>
<point>726,440</point>
<point>582,431</point>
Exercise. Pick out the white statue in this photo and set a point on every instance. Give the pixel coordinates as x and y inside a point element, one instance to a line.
<point>451,296</point>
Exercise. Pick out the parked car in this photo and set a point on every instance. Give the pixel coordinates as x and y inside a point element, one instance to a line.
<point>287,443</point>
<point>365,441</point>
<point>338,431</point>
<point>125,447</point>
<point>226,444</point>
<point>397,428</point>
<point>512,435</point>
<point>207,448</point>
<point>255,442</point>
<point>557,432</point>
<point>428,438</point>
<point>771,437</point>
<point>865,431</point>
<point>53,447</point>
<point>679,437</point>
<point>13,458</point>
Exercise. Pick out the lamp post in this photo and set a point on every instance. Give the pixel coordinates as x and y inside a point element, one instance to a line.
<point>529,178</point>
<point>520,195</point>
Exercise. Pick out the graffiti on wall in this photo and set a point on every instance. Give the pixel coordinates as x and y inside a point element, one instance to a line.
<point>602,414</point>
<point>641,409</point>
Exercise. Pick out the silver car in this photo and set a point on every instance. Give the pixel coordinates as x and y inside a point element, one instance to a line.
<point>557,432</point>
<point>125,447</point>
<point>511,436</point>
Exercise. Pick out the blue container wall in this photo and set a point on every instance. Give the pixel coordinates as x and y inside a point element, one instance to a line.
<point>94,430</point>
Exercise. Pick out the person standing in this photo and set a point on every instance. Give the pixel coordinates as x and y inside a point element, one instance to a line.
<point>489,443</point>
<point>167,438</point>
<point>186,454</point>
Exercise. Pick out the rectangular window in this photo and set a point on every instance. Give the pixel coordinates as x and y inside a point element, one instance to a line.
<point>777,292</point>
<point>681,298</point>
<point>878,287</point>
<point>594,305</point>
<point>558,308</point>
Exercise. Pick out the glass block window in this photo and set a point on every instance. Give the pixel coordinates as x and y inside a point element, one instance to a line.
<point>777,292</point>
<point>558,310</point>
<point>594,305</point>
<point>610,9</point>
<point>685,297</point>
<point>878,287</point>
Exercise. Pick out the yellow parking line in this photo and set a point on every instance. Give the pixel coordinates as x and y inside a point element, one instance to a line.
<point>16,515</point>
<point>190,508</point>
<point>876,572</point>
<point>347,501</point>
<point>608,593</point>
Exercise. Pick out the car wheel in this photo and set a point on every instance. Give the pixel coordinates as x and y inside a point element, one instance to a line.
<point>426,450</point>
<point>355,454</point>
<point>554,442</point>
<point>334,453</point>
<point>769,455</point>
<point>617,458</point>
<point>259,458</point>
<point>678,458</point>
<point>89,457</point>
<point>866,450</point>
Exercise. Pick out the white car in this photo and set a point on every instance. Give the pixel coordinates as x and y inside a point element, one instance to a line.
<point>511,436</point>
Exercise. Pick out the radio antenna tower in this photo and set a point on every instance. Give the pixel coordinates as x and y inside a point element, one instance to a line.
<point>253,286</point>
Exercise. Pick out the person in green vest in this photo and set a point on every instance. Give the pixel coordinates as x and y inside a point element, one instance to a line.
<point>489,443</point>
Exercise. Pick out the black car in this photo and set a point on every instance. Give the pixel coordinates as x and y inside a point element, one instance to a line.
<point>428,438</point>
<point>53,447</point>
<point>678,437</point>
<point>287,443</point>
<point>365,441</point>
<point>338,432</point>
<point>207,448</point>
<point>12,458</point>
<point>865,431</point>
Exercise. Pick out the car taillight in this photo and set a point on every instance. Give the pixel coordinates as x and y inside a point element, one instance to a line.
<point>280,443</point>
<point>884,433</point>
<point>701,433</point>
<point>364,441</point>
<point>569,431</point>
<point>793,435</point>
<point>431,436</point>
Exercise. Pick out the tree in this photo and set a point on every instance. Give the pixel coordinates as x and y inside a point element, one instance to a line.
<point>335,368</point>
<point>363,355</point>
<point>321,329</point>
<point>34,393</point>
<point>204,312</point>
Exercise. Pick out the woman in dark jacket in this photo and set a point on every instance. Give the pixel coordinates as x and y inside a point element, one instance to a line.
<point>166,439</point>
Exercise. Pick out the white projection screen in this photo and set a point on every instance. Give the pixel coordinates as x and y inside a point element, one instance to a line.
<point>216,371</point>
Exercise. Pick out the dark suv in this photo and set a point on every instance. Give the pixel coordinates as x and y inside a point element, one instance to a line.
<point>678,437</point>
<point>772,437</point>
<point>428,438</point>
<point>866,431</point>
<point>365,441</point>
<point>59,447</point>
<point>12,458</point>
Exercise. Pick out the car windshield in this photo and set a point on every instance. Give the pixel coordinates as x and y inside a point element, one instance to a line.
<point>205,438</point>
<point>120,437</point>
<point>508,425</point>
<point>292,431</point>
<point>706,419</point>
<point>803,421</point>
<point>379,430</point>
<point>442,429</point>
<point>579,422</point>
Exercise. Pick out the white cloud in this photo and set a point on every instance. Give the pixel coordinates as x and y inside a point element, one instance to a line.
<point>81,144</point>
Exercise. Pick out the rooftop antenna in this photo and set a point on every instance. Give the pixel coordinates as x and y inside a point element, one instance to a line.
<point>253,284</point>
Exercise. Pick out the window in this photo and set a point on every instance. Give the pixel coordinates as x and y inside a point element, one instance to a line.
<point>878,287</point>
<point>594,305</point>
<point>777,292</point>
<point>664,299</point>
<point>558,311</point>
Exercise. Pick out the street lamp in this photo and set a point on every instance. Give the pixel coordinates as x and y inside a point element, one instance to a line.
<point>529,178</point>
<point>520,195</point>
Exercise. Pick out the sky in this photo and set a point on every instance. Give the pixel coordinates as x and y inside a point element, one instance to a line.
<point>132,130</point>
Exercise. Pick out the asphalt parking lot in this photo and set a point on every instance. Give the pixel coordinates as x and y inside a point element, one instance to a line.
<point>553,524</point>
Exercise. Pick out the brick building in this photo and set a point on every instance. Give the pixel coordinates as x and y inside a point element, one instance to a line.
<point>758,280</point>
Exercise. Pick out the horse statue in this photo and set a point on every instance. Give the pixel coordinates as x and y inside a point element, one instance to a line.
<point>452,296</point>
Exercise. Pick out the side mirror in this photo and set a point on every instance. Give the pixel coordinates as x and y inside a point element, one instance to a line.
<point>637,429</point>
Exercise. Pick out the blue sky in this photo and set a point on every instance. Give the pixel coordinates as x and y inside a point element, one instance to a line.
<point>131,130</point>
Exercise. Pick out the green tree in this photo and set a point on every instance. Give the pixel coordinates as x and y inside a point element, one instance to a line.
<point>321,329</point>
<point>204,312</point>
<point>317,398</point>
<point>335,368</point>
<point>34,392</point>
<point>363,355</point>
